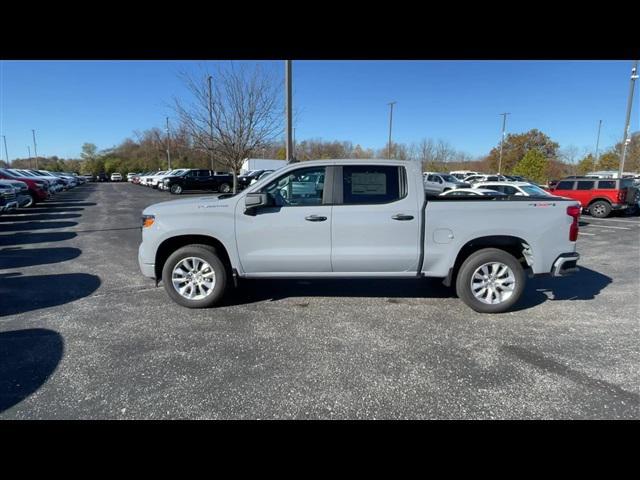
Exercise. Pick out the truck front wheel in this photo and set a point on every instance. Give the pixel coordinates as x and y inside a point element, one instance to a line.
<point>490,281</point>
<point>176,189</point>
<point>194,276</point>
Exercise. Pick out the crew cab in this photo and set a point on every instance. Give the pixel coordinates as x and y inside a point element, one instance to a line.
<point>37,189</point>
<point>371,218</point>
<point>199,179</point>
<point>600,196</point>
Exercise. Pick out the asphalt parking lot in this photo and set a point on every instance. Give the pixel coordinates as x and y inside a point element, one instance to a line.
<point>84,336</point>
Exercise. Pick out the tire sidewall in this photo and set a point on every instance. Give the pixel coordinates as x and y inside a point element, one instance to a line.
<point>607,209</point>
<point>209,255</point>
<point>463,279</point>
<point>224,188</point>
<point>176,189</point>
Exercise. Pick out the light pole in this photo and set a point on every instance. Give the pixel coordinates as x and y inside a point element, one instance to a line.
<point>597,144</point>
<point>168,154</point>
<point>35,148</point>
<point>625,139</point>
<point>4,137</point>
<point>29,150</point>
<point>288,108</point>
<point>391,104</point>
<point>504,124</point>
<point>210,122</point>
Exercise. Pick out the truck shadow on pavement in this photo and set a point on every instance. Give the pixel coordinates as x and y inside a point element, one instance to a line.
<point>27,359</point>
<point>585,284</point>
<point>39,216</point>
<point>21,294</point>
<point>278,289</point>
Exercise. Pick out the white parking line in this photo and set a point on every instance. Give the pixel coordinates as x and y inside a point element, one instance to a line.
<point>606,226</point>
<point>610,220</point>
<point>583,233</point>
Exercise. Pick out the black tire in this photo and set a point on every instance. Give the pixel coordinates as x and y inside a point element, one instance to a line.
<point>224,188</point>
<point>476,260</point>
<point>34,201</point>
<point>176,189</point>
<point>206,253</point>
<point>600,209</point>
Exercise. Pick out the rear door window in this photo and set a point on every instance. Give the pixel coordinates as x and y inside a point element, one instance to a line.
<point>565,186</point>
<point>367,184</point>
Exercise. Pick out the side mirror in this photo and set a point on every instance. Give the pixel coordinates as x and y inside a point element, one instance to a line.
<point>254,201</point>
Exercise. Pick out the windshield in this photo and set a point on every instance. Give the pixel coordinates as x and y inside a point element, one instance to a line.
<point>533,190</point>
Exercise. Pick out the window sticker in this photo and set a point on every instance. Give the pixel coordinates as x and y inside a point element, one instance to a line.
<point>368,184</point>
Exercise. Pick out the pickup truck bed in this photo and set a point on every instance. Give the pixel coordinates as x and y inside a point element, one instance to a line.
<point>370,218</point>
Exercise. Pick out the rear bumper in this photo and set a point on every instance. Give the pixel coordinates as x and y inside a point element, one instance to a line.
<point>565,264</point>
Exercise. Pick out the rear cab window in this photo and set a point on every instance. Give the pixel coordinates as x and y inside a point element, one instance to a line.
<point>371,184</point>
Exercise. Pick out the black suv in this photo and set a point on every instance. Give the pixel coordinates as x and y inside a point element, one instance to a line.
<point>199,179</point>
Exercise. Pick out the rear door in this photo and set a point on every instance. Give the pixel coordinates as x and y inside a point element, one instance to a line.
<point>584,191</point>
<point>375,220</point>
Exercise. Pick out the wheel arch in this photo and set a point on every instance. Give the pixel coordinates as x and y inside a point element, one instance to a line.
<point>511,244</point>
<point>598,199</point>
<point>170,245</point>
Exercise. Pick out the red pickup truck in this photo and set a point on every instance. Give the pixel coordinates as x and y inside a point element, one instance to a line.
<point>600,196</point>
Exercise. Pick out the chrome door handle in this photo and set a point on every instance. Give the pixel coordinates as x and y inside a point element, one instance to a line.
<point>315,218</point>
<point>401,216</point>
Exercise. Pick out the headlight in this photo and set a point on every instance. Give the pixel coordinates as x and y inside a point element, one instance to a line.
<point>148,220</point>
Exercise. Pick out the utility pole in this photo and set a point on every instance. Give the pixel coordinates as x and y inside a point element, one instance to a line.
<point>168,154</point>
<point>35,148</point>
<point>211,122</point>
<point>391,104</point>
<point>598,144</point>
<point>504,124</point>
<point>4,137</point>
<point>289,117</point>
<point>29,150</point>
<point>625,139</point>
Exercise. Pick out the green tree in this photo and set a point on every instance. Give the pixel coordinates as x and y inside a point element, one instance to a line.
<point>609,161</point>
<point>517,145</point>
<point>534,165</point>
<point>586,165</point>
<point>89,151</point>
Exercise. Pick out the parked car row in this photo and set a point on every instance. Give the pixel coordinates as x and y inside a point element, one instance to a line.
<point>24,188</point>
<point>183,179</point>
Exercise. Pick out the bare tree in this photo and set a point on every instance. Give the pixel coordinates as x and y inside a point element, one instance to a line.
<point>244,113</point>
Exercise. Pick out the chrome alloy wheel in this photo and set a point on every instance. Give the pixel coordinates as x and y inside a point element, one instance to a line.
<point>493,283</point>
<point>193,278</point>
<point>599,210</point>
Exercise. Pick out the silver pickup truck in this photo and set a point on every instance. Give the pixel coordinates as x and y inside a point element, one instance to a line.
<point>370,218</point>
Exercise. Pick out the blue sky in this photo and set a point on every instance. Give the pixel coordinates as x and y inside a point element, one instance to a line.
<point>103,102</point>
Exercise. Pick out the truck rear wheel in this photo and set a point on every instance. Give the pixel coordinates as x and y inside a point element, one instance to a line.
<point>194,276</point>
<point>600,209</point>
<point>490,281</point>
<point>176,189</point>
<point>224,188</point>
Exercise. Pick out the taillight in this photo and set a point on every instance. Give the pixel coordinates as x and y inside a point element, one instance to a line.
<point>622,195</point>
<point>574,212</point>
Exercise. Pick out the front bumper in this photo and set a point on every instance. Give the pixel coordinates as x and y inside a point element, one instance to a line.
<point>147,269</point>
<point>565,264</point>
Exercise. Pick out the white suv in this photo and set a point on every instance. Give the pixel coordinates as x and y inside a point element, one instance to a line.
<point>521,189</point>
<point>116,177</point>
<point>436,183</point>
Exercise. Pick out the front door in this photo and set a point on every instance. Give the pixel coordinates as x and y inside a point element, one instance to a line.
<point>294,234</point>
